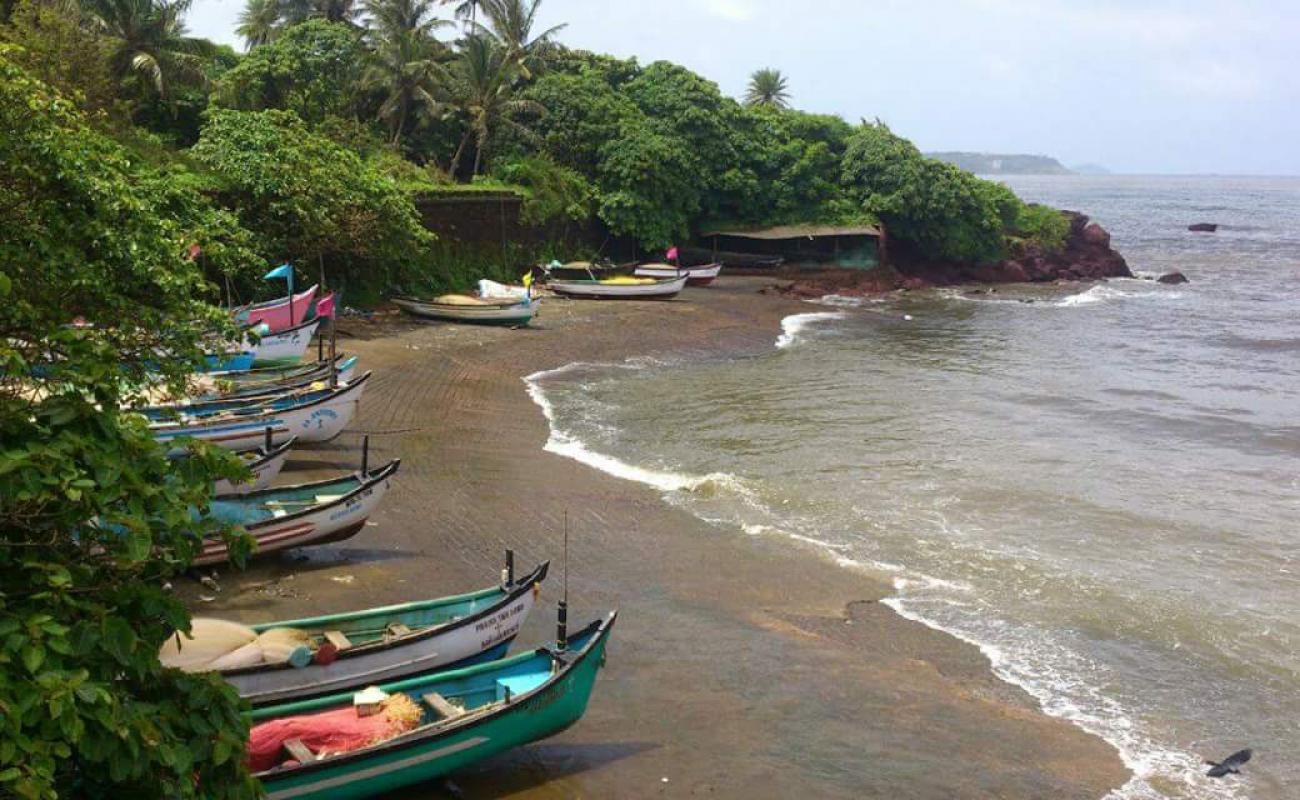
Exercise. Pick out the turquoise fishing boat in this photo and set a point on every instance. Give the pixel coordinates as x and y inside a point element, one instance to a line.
<point>470,714</point>
<point>268,380</point>
<point>357,649</point>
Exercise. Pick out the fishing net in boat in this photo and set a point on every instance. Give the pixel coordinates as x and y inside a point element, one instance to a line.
<point>340,730</point>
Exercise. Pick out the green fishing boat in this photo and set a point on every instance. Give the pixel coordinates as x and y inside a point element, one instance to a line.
<point>469,714</point>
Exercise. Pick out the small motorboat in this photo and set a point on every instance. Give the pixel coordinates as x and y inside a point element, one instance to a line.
<point>278,314</point>
<point>584,270</point>
<point>286,346</point>
<point>465,716</point>
<point>295,516</point>
<point>475,310</point>
<point>623,288</point>
<point>265,380</point>
<point>264,463</point>
<point>312,416</point>
<point>356,649</point>
<point>276,380</point>
<point>695,276</point>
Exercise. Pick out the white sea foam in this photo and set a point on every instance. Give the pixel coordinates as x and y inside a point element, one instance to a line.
<point>1055,676</point>
<point>794,324</point>
<point>842,301</point>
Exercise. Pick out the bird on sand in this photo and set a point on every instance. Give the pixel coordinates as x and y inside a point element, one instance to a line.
<point>1230,765</point>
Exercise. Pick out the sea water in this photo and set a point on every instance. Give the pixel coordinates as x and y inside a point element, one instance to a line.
<point>1098,485</point>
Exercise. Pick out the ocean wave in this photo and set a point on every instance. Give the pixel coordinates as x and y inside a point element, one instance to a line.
<point>1054,676</point>
<point>1064,683</point>
<point>794,324</point>
<point>844,301</point>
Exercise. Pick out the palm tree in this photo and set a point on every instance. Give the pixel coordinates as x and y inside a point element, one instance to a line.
<point>767,87</point>
<point>259,22</point>
<point>389,17</point>
<point>510,22</point>
<point>482,87</point>
<point>465,9</point>
<point>403,69</point>
<point>147,39</point>
<point>295,11</point>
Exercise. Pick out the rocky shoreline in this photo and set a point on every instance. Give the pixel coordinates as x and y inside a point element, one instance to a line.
<point>1086,256</point>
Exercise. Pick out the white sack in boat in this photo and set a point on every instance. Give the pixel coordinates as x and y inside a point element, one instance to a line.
<point>278,644</point>
<point>212,639</point>
<point>250,655</point>
<point>491,290</point>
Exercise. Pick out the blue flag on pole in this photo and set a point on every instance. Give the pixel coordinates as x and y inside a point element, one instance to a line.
<point>283,271</point>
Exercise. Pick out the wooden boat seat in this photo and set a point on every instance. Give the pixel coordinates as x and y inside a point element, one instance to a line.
<point>396,630</point>
<point>444,708</point>
<point>299,751</point>
<point>339,639</point>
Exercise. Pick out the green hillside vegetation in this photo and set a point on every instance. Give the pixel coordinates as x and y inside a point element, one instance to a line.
<point>313,145</point>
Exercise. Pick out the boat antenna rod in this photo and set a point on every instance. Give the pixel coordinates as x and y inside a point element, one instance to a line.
<point>562,623</point>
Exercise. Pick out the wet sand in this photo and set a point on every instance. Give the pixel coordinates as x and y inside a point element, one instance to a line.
<point>740,666</point>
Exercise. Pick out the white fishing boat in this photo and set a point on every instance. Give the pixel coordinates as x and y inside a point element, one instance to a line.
<point>316,416</point>
<point>286,346</point>
<point>463,308</point>
<point>295,516</point>
<point>695,276</point>
<point>264,463</point>
<point>623,288</point>
<point>362,648</point>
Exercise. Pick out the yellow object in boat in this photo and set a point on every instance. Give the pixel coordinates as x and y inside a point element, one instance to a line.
<point>627,280</point>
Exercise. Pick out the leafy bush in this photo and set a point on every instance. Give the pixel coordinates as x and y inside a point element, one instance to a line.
<point>1042,226</point>
<point>553,194</point>
<point>93,288</point>
<point>311,70</point>
<point>310,200</point>
<point>944,212</point>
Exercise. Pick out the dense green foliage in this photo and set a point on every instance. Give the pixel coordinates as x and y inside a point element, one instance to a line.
<point>309,199</point>
<point>93,291</point>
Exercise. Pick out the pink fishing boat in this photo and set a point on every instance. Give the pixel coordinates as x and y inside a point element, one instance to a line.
<point>276,314</point>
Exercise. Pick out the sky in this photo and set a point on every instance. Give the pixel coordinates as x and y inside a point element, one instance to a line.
<point>1137,86</point>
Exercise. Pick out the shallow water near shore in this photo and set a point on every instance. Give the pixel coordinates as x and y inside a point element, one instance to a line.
<point>1099,487</point>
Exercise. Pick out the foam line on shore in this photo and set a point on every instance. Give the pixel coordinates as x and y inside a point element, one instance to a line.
<point>794,324</point>
<point>1060,691</point>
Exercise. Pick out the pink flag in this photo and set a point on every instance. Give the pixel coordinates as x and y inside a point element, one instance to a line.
<point>194,251</point>
<point>325,306</point>
<point>671,255</point>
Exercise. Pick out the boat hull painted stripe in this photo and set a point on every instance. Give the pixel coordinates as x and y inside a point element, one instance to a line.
<point>378,770</point>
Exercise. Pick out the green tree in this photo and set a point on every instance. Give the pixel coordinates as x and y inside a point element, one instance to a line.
<point>403,66</point>
<point>483,91</point>
<point>296,11</point>
<point>510,23</point>
<point>149,47</point>
<point>768,87</point>
<point>310,199</point>
<point>259,22</point>
<point>943,212</point>
<point>57,49</point>
<point>311,69</point>
<point>95,517</point>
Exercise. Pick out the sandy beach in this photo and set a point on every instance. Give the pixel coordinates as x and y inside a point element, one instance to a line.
<point>741,665</point>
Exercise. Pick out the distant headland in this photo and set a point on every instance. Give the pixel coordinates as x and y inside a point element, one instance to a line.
<point>1013,164</point>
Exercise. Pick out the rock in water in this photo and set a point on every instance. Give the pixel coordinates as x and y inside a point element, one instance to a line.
<point>1203,227</point>
<point>1172,278</point>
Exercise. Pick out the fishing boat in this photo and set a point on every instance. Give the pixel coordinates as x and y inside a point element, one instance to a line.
<point>264,463</point>
<point>362,648</point>
<point>585,270</point>
<point>469,714</point>
<point>295,516</point>
<point>624,288</point>
<point>285,346</point>
<point>695,276</point>
<point>463,308</point>
<point>279,399</point>
<point>229,362</point>
<point>280,313</point>
<point>267,380</point>
<point>316,416</point>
